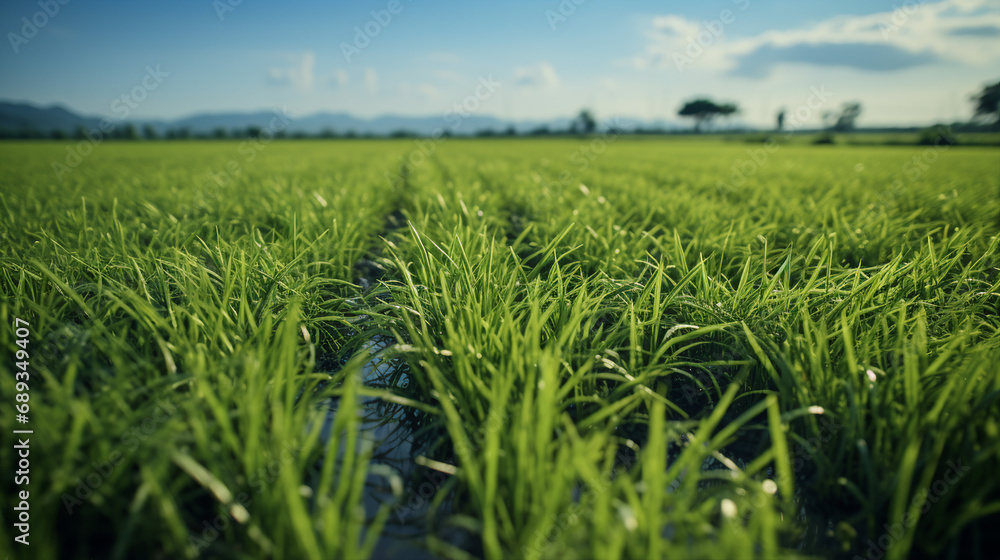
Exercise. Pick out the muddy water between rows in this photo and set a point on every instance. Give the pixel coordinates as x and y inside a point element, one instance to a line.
<point>400,478</point>
<point>391,432</point>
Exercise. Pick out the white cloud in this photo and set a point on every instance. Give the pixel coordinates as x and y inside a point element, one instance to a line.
<point>913,34</point>
<point>428,91</point>
<point>371,80</point>
<point>340,78</point>
<point>541,76</point>
<point>424,90</point>
<point>449,75</point>
<point>443,57</point>
<point>299,73</point>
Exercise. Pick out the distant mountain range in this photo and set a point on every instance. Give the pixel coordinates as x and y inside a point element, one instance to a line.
<point>17,116</point>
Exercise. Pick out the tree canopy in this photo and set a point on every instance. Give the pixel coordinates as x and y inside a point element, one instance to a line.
<point>987,102</point>
<point>843,120</point>
<point>704,110</point>
<point>587,121</point>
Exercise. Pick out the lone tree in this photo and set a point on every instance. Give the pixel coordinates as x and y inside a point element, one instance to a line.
<point>704,110</point>
<point>987,103</point>
<point>781,120</point>
<point>844,120</point>
<point>587,123</point>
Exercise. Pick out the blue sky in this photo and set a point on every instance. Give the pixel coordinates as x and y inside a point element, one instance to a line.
<point>908,62</point>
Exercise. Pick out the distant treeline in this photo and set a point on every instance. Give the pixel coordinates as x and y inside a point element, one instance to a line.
<point>134,132</point>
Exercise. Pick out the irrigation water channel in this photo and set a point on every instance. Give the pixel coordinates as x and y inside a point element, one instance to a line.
<point>387,431</point>
<point>399,475</point>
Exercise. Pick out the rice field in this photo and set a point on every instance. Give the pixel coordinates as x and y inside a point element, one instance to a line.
<point>564,348</point>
